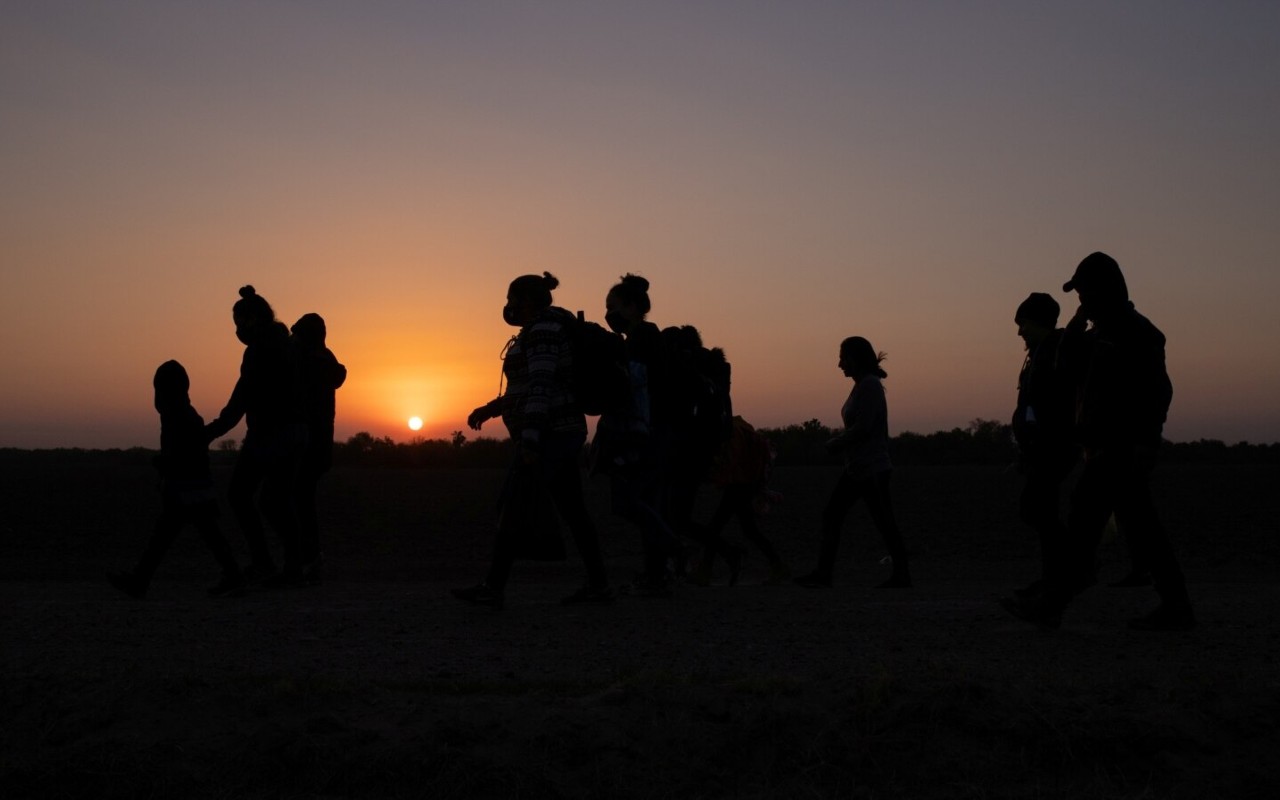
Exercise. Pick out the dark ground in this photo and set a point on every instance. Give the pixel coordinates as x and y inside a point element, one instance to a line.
<point>378,684</point>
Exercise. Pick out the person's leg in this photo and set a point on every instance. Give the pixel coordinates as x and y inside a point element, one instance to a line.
<point>162,537</point>
<point>205,519</point>
<point>564,480</point>
<point>713,542</point>
<point>847,491</point>
<point>880,504</point>
<point>635,498</point>
<point>1092,503</point>
<point>1038,509</point>
<point>305,491</point>
<point>246,478</point>
<point>279,506</point>
<point>1137,516</point>
<point>742,497</point>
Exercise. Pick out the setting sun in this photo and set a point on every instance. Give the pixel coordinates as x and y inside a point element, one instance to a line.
<point>415,423</point>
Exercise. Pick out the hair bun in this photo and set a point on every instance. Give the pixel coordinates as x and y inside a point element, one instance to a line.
<point>550,281</point>
<point>247,291</point>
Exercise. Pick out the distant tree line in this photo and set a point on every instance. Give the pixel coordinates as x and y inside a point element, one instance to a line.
<point>983,441</point>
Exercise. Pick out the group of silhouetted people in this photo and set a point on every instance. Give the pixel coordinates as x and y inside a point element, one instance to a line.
<point>1093,396</point>
<point>665,422</point>
<point>1097,392</point>
<point>285,394</point>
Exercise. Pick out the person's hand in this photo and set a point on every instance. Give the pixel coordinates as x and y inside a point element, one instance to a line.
<point>1080,321</point>
<point>478,418</point>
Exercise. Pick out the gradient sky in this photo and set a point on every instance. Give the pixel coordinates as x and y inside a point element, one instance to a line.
<point>785,173</point>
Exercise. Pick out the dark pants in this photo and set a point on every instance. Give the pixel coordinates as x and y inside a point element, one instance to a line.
<point>1040,506</point>
<point>638,495</point>
<point>559,461</point>
<point>737,501</point>
<point>174,514</point>
<point>264,477</point>
<point>1117,482</point>
<point>316,460</point>
<point>847,492</point>
<point>687,474</point>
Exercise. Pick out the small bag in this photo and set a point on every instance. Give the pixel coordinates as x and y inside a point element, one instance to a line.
<point>528,525</point>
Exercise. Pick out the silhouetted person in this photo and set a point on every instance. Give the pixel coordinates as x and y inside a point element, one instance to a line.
<point>701,421</point>
<point>1123,394</point>
<point>547,428</point>
<point>320,375</point>
<point>864,443</point>
<point>186,489</point>
<point>741,470</point>
<point>266,396</point>
<point>1043,424</point>
<point>633,446</point>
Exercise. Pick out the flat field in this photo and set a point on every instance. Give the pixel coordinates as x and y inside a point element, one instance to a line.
<point>378,684</point>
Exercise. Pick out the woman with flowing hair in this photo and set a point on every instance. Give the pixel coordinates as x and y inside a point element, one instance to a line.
<point>864,444</point>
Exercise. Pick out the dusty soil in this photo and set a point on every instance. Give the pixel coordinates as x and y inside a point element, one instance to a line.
<point>378,684</point>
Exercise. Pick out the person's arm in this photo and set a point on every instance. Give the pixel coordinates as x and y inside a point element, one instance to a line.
<point>484,413</point>
<point>231,415</point>
<point>335,372</point>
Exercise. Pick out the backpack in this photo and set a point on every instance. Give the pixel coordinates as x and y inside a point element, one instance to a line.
<point>746,458</point>
<point>601,381</point>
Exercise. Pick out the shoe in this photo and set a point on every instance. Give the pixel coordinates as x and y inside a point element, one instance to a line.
<point>480,595</point>
<point>588,594</point>
<point>1033,611</point>
<point>1132,580</point>
<point>813,580</point>
<point>1165,618</point>
<point>128,583</point>
<point>229,586</point>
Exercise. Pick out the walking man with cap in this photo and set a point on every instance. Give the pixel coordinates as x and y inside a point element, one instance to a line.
<point>1123,395</point>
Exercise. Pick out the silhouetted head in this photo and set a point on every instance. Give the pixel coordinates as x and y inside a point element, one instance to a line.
<point>859,358</point>
<point>172,386</point>
<point>252,314</point>
<point>627,303</point>
<point>682,337</point>
<point>310,330</point>
<point>1036,318</point>
<point>1099,283</point>
<point>527,297</point>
